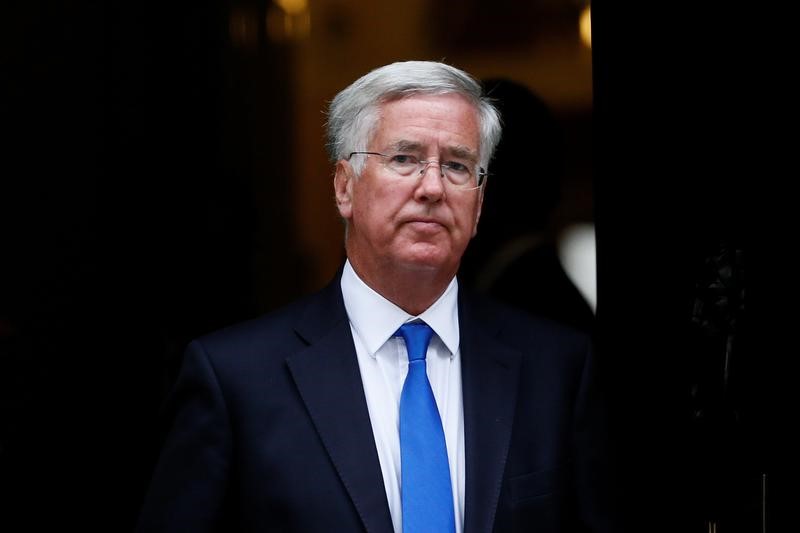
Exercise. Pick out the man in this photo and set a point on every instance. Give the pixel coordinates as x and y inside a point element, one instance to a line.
<point>318,418</point>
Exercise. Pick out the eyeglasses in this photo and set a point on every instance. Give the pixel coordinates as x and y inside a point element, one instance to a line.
<point>457,173</point>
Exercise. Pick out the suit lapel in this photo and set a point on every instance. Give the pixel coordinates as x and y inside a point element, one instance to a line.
<point>327,375</point>
<point>490,380</point>
<point>328,378</point>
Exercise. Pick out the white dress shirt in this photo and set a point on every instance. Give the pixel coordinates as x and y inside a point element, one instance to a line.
<point>383,362</point>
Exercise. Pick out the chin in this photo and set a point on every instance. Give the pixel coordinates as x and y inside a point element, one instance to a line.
<point>424,262</point>
<point>430,257</point>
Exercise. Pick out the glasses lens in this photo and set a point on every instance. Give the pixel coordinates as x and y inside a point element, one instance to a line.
<point>403,164</point>
<point>457,173</point>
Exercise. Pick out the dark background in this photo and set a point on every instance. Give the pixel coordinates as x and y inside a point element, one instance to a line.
<point>132,222</point>
<point>692,229</point>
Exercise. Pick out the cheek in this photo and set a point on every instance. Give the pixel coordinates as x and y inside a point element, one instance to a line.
<point>371,212</point>
<point>469,219</point>
<point>374,204</point>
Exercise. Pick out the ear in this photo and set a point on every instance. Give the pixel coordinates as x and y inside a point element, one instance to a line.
<point>343,188</point>
<point>480,208</point>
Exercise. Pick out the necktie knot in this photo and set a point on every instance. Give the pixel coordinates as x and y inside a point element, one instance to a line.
<point>417,336</point>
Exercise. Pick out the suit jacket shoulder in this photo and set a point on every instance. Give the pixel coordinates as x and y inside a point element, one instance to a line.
<point>282,330</point>
<point>525,332</point>
<point>269,427</point>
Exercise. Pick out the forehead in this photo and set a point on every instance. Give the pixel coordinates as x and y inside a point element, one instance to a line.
<point>444,121</point>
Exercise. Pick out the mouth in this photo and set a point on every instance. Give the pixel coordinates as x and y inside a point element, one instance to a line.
<point>425,225</point>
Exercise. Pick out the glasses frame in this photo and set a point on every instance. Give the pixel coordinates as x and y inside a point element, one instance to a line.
<point>481,175</point>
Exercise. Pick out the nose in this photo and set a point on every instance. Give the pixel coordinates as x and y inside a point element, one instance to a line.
<point>435,164</point>
<point>431,185</point>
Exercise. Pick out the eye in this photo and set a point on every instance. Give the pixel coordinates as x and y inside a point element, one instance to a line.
<point>403,164</point>
<point>457,167</point>
<point>403,159</point>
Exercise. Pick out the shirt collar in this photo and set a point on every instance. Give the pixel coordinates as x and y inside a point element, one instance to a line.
<point>375,319</point>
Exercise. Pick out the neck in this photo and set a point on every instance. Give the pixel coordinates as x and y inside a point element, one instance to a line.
<point>412,290</point>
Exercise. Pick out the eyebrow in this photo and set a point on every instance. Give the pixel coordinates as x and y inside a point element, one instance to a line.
<point>462,152</point>
<point>459,151</point>
<point>405,146</point>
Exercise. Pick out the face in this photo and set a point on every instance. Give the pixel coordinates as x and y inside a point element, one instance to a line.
<point>412,223</point>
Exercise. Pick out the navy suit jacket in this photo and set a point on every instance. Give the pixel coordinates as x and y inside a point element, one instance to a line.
<point>270,429</point>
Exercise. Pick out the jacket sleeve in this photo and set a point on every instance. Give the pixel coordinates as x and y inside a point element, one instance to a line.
<point>188,486</point>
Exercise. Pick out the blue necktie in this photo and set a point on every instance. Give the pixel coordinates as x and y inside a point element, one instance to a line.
<point>426,493</point>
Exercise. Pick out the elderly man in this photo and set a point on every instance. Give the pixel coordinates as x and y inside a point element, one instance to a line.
<point>391,401</point>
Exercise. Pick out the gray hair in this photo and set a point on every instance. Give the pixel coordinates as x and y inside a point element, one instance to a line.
<point>354,113</point>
